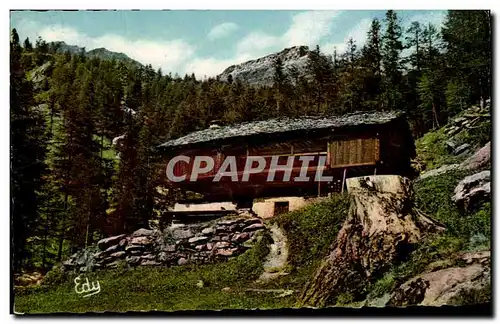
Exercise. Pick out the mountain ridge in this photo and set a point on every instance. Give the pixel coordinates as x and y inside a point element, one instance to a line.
<point>100,52</point>
<point>256,72</point>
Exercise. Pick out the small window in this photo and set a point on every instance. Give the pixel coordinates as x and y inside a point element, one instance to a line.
<point>281,207</point>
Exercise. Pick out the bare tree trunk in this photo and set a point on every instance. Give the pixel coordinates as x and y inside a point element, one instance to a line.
<point>380,230</point>
<point>61,235</point>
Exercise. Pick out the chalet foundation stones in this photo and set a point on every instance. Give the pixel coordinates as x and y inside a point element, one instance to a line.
<point>197,243</point>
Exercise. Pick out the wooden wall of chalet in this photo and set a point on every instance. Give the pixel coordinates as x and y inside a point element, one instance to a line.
<point>353,152</point>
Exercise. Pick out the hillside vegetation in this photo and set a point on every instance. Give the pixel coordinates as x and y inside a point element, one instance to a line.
<point>73,183</point>
<point>178,288</point>
<point>310,232</point>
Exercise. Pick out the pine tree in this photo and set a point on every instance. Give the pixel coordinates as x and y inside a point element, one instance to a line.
<point>371,60</point>
<point>351,77</point>
<point>126,185</point>
<point>28,47</point>
<point>467,40</point>
<point>281,87</point>
<point>391,51</point>
<point>27,153</point>
<point>414,41</point>
<point>321,69</point>
<point>431,86</point>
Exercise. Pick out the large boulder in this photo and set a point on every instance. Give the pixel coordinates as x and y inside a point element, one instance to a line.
<point>133,259</point>
<point>479,159</point>
<point>442,287</point>
<point>242,237</point>
<point>112,248</point>
<point>208,230</point>
<point>226,252</point>
<point>140,240</point>
<point>253,227</point>
<point>228,222</point>
<point>198,240</point>
<point>473,189</point>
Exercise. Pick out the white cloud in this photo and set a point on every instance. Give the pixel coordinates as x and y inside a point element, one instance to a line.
<point>222,30</point>
<point>309,27</point>
<point>358,33</point>
<point>256,42</point>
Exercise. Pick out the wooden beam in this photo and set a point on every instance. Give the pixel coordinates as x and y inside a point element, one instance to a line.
<point>343,181</point>
<point>352,165</point>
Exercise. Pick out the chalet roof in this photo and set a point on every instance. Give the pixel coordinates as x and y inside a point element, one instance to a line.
<point>284,124</point>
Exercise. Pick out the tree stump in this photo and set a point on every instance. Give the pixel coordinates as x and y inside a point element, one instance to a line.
<point>381,229</point>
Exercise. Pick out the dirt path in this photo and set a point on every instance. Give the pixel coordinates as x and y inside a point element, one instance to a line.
<point>277,257</point>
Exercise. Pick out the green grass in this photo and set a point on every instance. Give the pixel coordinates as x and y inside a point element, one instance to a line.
<point>433,197</point>
<point>310,232</point>
<point>431,149</point>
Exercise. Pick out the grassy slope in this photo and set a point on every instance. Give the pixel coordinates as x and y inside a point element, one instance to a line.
<point>310,231</point>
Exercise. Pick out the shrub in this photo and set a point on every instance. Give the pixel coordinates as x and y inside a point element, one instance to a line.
<point>55,276</point>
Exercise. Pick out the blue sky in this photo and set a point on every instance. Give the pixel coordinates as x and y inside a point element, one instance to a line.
<point>204,42</point>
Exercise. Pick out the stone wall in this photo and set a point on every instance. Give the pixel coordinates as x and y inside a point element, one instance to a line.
<point>208,242</point>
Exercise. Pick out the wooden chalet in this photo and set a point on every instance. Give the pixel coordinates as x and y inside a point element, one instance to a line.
<point>353,145</point>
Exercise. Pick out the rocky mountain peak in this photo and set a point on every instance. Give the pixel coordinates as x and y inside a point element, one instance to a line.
<point>260,71</point>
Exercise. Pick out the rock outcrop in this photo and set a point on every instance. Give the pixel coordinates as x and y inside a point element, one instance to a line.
<point>446,286</point>
<point>38,75</point>
<point>260,72</point>
<point>478,160</point>
<point>473,189</point>
<point>198,243</point>
<point>439,171</point>
<point>468,120</point>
